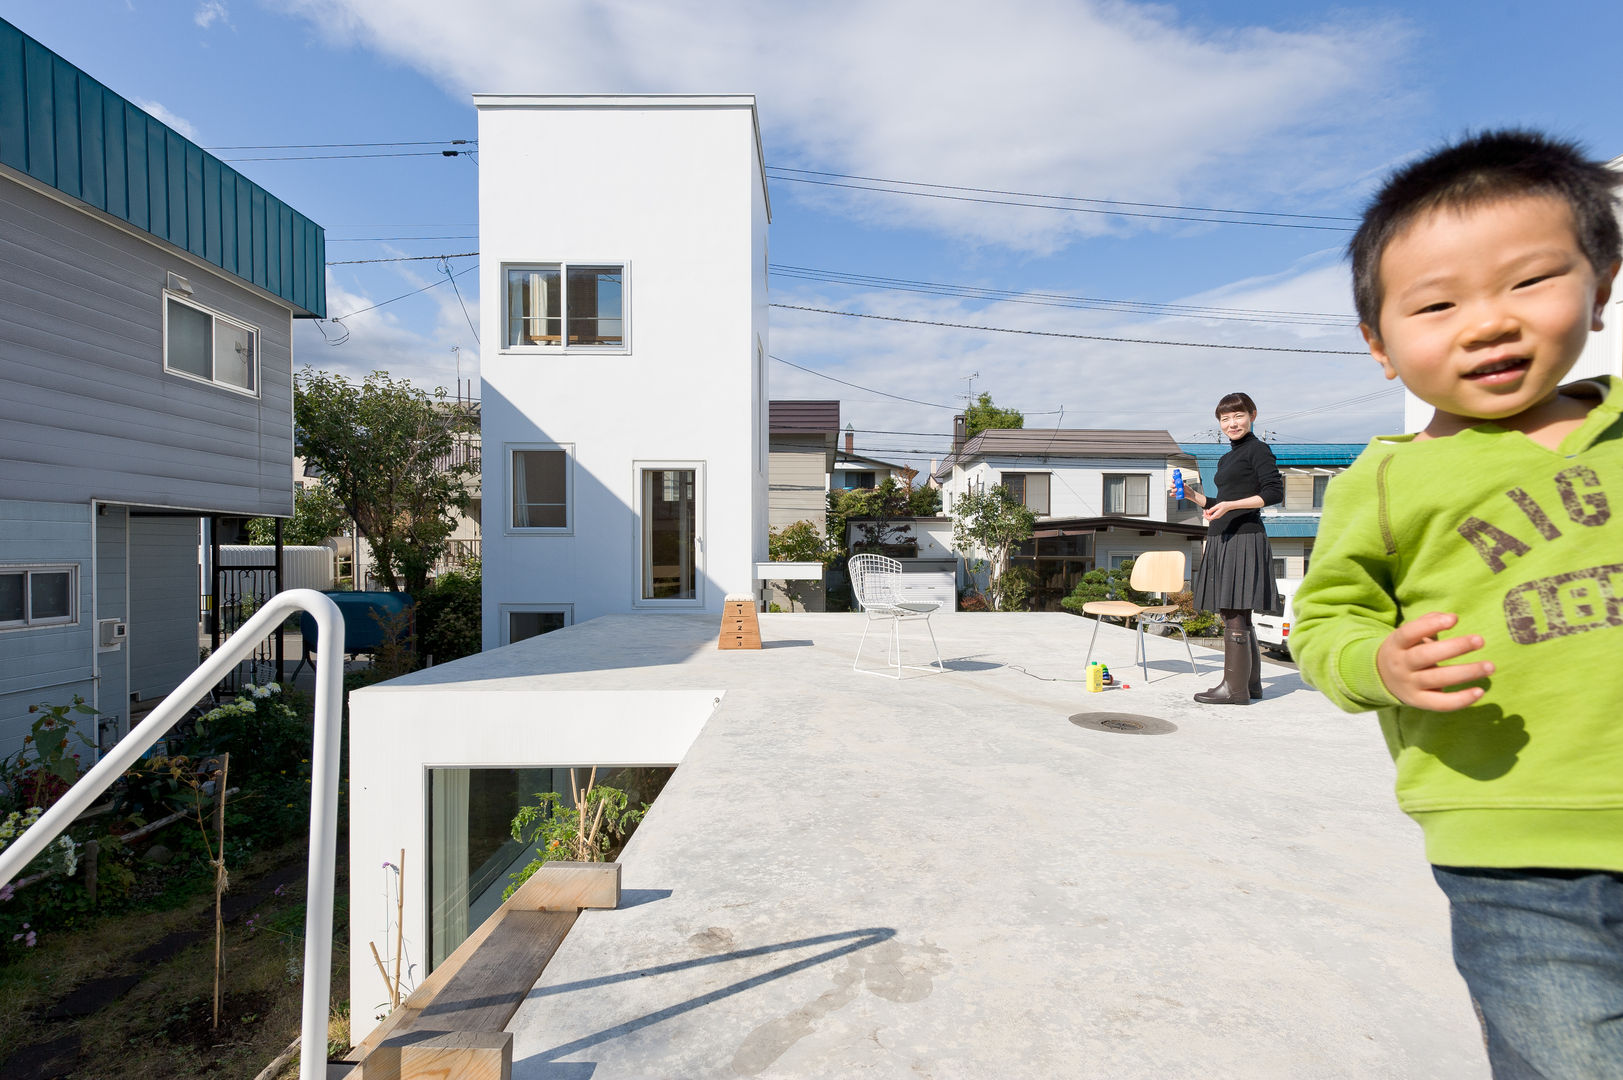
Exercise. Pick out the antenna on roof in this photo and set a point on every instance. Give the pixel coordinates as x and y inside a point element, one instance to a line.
<point>969,393</point>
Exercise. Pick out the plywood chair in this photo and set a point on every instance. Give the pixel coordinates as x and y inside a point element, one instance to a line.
<point>877,583</point>
<point>1153,572</point>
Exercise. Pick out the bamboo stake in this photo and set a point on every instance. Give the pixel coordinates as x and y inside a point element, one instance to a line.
<point>399,930</point>
<point>382,970</point>
<point>219,882</point>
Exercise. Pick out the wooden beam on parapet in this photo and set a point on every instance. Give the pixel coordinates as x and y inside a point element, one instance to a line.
<point>479,987</point>
<point>443,1055</point>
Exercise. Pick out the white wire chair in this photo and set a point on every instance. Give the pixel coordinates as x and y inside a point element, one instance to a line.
<point>876,582</point>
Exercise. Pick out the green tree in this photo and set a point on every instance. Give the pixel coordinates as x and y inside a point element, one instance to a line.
<point>994,521</point>
<point>924,502</point>
<point>317,514</point>
<point>881,508</point>
<point>800,542</point>
<point>386,449</point>
<point>983,414</point>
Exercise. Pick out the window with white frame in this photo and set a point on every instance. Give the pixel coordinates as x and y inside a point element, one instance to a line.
<point>671,544</point>
<point>1029,489</point>
<point>539,478</point>
<point>38,596</point>
<point>204,344</point>
<point>1127,493</point>
<point>1320,483</point>
<point>532,620</point>
<point>554,305</point>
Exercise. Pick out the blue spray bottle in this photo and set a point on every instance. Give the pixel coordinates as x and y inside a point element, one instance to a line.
<point>1177,482</point>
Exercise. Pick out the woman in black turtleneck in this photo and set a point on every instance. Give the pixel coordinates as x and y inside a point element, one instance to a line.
<point>1237,573</point>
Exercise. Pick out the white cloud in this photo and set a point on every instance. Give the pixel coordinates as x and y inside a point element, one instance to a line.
<point>211,11</point>
<point>1098,98</point>
<point>179,123</point>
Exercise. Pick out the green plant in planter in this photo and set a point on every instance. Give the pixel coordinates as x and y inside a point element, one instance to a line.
<point>601,820</point>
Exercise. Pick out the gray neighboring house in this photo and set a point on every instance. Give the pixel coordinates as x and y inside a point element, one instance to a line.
<point>147,299</point>
<point>800,443</point>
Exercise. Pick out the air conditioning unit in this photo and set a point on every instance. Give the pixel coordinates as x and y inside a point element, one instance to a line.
<point>110,633</point>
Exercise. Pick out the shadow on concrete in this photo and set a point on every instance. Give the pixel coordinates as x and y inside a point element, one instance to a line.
<point>546,1066</point>
<point>789,643</point>
<point>630,898</point>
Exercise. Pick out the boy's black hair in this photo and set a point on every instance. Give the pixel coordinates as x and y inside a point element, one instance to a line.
<point>1239,401</point>
<point>1483,168</point>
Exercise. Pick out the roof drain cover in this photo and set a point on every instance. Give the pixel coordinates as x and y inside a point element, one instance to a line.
<point>1123,723</point>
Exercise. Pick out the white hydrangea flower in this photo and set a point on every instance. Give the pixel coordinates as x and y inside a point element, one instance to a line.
<point>275,688</point>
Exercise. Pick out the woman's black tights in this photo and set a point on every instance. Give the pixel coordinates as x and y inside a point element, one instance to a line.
<point>1239,621</point>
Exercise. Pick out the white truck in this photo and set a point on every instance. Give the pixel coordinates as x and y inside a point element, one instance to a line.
<point>1273,627</point>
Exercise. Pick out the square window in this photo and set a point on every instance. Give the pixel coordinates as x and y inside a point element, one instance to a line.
<point>529,624</point>
<point>558,305</point>
<point>1320,484</point>
<point>540,489</point>
<point>206,345</point>
<point>38,596</point>
<point>1127,494</point>
<point>1029,489</point>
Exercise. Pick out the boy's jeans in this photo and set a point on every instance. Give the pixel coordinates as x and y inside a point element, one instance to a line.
<point>1542,953</point>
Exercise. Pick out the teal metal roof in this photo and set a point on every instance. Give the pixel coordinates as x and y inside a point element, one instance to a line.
<point>65,129</point>
<point>1299,455</point>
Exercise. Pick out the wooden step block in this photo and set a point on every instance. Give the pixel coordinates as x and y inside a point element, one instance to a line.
<point>740,627</point>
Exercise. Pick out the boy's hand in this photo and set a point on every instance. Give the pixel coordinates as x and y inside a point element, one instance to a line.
<point>1410,663</point>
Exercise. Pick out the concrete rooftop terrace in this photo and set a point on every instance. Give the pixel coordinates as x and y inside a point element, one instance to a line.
<point>945,877</point>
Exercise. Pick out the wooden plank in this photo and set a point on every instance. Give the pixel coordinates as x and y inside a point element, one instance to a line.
<point>486,992</point>
<point>443,1055</point>
<point>557,886</point>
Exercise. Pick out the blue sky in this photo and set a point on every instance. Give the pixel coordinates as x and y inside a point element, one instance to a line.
<point>1275,107</point>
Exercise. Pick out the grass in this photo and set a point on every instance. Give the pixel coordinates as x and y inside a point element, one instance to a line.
<point>161,1027</point>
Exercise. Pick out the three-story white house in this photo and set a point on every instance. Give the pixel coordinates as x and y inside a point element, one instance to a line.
<point>623,356</point>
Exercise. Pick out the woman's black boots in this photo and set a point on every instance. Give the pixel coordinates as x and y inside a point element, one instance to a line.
<point>1255,682</point>
<point>1235,689</point>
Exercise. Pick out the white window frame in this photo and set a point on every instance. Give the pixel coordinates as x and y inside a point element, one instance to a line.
<point>699,547</point>
<point>568,529</point>
<point>1317,498</point>
<point>506,611</point>
<point>563,348</point>
<point>29,569</point>
<point>1104,500</point>
<point>253,332</point>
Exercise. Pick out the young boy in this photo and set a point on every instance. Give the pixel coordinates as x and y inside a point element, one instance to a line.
<point>1468,580</point>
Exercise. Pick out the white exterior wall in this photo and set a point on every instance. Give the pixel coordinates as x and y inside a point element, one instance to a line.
<point>1075,488</point>
<point>671,187</point>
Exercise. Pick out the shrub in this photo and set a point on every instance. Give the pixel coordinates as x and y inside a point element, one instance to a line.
<point>1100,584</point>
<point>448,616</point>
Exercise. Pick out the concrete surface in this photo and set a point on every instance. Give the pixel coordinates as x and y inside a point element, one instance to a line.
<point>945,877</point>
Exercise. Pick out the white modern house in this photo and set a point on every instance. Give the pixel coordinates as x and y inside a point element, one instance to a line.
<point>147,299</point>
<point>625,425</point>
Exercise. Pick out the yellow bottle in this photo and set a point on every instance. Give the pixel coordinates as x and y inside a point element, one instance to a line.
<point>1096,677</point>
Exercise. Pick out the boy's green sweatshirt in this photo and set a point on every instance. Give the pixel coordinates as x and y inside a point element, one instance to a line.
<point>1525,545</point>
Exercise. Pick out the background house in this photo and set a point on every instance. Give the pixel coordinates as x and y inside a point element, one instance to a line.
<point>147,298</point>
<point>1099,496</point>
<point>852,470</point>
<point>1292,526</point>
<point>624,386</point>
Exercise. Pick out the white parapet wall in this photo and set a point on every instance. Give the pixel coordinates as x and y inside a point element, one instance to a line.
<point>523,706</point>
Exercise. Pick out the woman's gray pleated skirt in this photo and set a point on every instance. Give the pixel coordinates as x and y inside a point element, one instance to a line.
<point>1237,573</point>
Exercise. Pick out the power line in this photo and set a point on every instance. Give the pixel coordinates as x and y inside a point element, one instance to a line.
<point>869,389</point>
<point>1070,209</point>
<point>338,157</point>
<point>1079,337</point>
<point>402,296</point>
<point>445,268</point>
<point>1067,198</point>
<point>404,258</point>
<point>345,145</point>
<point>1045,299</point>
<point>379,239</point>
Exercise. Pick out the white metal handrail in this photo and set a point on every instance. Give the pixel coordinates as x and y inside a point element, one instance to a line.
<point>324,757</point>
